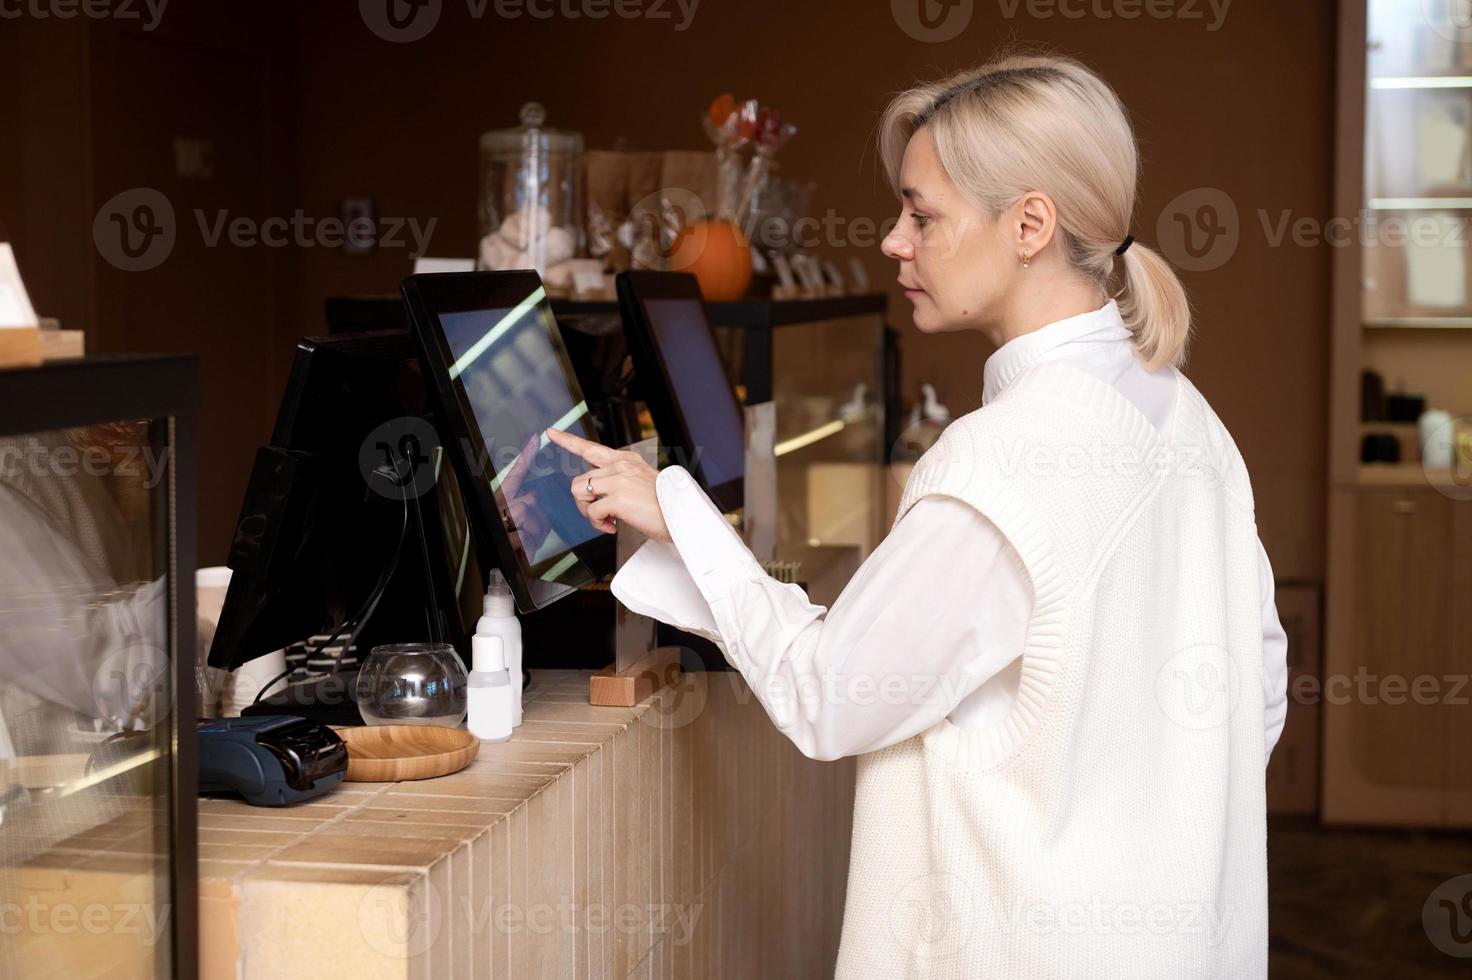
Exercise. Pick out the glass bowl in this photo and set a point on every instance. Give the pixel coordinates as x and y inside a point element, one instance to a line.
<point>412,684</point>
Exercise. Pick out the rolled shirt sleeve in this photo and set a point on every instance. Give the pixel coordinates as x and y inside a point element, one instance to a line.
<point>1274,658</point>
<point>938,609</point>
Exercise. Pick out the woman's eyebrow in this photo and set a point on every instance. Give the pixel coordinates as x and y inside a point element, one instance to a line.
<point>911,194</point>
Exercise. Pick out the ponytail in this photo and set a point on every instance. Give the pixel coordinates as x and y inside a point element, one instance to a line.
<point>1154,307</point>
<point>1027,122</point>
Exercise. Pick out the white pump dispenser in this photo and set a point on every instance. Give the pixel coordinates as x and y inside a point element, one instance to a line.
<point>489,692</point>
<point>500,620</point>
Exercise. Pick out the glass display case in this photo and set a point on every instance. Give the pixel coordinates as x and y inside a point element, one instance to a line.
<point>1410,114</point>
<point>97,668</point>
<point>1399,523</point>
<point>828,365</point>
<point>1418,168</point>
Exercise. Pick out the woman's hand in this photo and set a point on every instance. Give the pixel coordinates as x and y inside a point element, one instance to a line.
<point>622,487</point>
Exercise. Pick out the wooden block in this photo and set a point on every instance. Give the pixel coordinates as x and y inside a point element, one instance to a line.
<point>60,344</point>
<point>626,689</point>
<point>20,346</point>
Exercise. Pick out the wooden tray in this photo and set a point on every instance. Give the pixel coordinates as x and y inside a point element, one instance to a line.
<point>391,753</point>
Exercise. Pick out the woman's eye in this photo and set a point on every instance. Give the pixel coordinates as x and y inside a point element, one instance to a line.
<point>921,220</point>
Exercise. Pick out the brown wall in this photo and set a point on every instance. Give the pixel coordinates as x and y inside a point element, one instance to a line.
<point>103,106</point>
<point>1246,108</point>
<point>325,109</point>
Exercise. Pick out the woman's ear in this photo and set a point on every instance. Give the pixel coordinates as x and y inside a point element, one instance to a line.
<point>1036,221</point>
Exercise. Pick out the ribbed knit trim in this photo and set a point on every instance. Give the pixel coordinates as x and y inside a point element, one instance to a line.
<point>1009,361</point>
<point>978,750</point>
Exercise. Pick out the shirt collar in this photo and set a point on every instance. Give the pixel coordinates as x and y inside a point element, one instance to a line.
<point>1050,342</point>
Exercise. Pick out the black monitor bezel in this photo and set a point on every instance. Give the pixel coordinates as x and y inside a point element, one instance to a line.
<point>651,369</point>
<point>429,294</point>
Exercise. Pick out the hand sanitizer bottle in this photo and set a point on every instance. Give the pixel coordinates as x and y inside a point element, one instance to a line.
<point>489,691</point>
<point>500,620</point>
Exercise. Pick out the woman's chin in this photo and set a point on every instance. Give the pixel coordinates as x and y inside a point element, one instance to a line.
<point>927,319</point>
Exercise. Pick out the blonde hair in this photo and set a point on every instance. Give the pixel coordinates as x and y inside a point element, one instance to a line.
<point>1045,123</point>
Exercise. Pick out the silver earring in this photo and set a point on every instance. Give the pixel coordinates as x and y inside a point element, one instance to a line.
<point>1026,261</point>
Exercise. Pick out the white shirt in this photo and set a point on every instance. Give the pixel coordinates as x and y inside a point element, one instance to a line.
<point>933,624</point>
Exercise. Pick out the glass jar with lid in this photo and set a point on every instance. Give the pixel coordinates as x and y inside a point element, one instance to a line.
<point>531,193</point>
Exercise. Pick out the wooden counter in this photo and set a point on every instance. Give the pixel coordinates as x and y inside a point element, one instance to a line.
<point>684,837</point>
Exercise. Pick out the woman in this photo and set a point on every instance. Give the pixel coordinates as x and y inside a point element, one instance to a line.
<point>1062,671</point>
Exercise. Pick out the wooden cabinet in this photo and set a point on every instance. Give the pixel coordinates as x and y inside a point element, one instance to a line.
<point>1397,702</point>
<point>1458,711</point>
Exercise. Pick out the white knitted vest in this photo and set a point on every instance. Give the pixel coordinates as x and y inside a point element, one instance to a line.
<point>1113,825</point>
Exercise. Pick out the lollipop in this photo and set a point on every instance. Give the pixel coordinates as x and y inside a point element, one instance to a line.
<point>730,126</point>
<point>769,135</point>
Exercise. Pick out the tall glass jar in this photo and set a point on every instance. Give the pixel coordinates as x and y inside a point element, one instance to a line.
<point>531,198</point>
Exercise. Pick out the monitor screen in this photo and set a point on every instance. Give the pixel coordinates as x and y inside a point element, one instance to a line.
<point>516,388</point>
<point>696,373</point>
<point>681,376</point>
<point>494,356</point>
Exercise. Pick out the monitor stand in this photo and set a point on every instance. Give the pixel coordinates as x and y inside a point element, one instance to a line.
<point>639,667</point>
<point>420,602</point>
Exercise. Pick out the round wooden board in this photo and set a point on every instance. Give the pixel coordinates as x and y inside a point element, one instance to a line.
<point>391,753</point>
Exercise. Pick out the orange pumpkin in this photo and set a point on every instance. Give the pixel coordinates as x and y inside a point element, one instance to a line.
<point>718,254</point>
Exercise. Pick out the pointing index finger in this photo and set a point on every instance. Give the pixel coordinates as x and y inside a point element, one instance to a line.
<point>595,453</point>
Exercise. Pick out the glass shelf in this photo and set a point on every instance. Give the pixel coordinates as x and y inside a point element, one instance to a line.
<point>1402,82</point>
<point>1420,203</point>
<point>1419,323</point>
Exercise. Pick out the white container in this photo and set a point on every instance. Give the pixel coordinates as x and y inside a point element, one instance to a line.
<point>489,697</point>
<point>249,679</point>
<point>1438,439</point>
<point>210,586</point>
<point>500,620</point>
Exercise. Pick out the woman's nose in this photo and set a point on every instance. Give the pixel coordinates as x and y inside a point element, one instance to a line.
<point>897,246</point>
